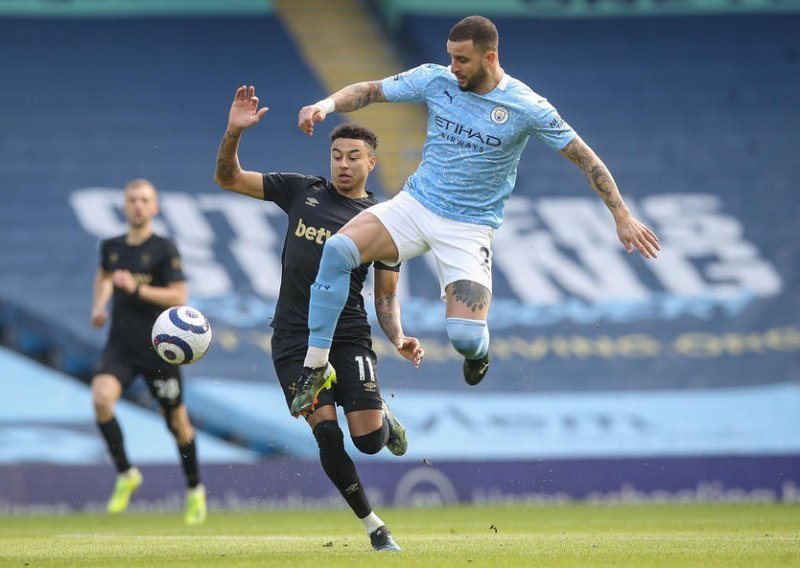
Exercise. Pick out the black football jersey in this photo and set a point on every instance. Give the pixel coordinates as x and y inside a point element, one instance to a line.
<point>155,262</point>
<point>316,211</point>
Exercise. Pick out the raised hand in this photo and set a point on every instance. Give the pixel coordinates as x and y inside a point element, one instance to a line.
<point>244,110</point>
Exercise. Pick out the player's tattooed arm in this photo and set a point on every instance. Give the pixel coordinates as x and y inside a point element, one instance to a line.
<point>633,234</point>
<point>580,154</point>
<point>358,95</point>
<point>387,308</point>
<point>348,99</point>
<point>227,158</point>
<point>229,173</point>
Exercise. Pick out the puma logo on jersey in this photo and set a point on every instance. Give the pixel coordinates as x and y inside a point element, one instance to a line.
<point>317,234</point>
<point>312,201</point>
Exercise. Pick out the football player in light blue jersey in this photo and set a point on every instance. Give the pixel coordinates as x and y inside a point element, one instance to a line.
<point>474,141</point>
<point>479,121</point>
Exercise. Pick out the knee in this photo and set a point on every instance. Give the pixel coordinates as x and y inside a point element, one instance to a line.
<point>178,424</point>
<point>103,404</point>
<point>373,442</point>
<point>103,400</point>
<point>328,435</point>
<point>341,253</point>
<point>468,337</point>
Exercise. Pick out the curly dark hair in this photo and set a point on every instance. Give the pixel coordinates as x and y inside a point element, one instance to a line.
<point>355,132</point>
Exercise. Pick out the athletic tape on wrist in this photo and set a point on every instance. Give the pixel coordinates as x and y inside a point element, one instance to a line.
<point>327,105</point>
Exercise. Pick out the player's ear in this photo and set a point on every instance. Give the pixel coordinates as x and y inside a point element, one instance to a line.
<point>372,161</point>
<point>156,203</point>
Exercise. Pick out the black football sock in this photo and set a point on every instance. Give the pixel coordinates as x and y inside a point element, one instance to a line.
<point>340,468</point>
<point>116,445</point>
<point>189,462</point>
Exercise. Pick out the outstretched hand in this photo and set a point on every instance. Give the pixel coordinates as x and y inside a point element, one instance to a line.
<point>309,116</point>
<point>244,110</point>
<point>411,349</point>
<point>636,235</point>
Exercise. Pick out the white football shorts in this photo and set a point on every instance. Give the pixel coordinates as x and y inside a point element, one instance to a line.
<point>463,251</point>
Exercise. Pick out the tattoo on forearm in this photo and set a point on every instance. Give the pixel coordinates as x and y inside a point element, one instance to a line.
<point>474,295</point>
<point>358,96</point>
<point>602,182</point>
<point>595,171</point>
<point>227,164</point>
<point>387,310</point>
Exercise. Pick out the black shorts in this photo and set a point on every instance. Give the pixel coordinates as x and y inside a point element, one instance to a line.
<point>162,378</point>
<point>356,386</point>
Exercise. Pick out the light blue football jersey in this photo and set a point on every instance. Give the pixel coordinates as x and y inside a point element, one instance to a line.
<point>474,142</point>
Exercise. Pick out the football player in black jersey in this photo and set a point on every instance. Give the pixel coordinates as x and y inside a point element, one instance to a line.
<point>142,272</point>
<point>317,208</point>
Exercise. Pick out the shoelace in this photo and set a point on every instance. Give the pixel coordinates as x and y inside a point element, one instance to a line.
<point>305,380</point>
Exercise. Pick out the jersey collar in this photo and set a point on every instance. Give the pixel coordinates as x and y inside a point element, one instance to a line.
<point>503,82</point>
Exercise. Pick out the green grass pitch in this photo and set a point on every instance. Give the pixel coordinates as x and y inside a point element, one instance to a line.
<point>719,535</point>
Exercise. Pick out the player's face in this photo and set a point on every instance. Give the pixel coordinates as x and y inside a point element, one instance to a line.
<point>141,205</point>
<point>468,64</point>
<point>351,162</point>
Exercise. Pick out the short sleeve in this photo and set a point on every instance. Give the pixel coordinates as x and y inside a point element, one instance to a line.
<point>104,256</point>
<point>409,86</point>
<point>172,266</point>
<point>281,188</point>
<point>548,126</point>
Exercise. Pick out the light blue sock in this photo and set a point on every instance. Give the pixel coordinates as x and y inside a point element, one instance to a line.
<point>469,337</point>
<point>329,291</point>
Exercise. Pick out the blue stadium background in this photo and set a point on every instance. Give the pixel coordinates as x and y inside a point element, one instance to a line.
<point>602,363</point>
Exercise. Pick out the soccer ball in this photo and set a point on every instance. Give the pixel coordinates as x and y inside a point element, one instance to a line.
<point>181,335</point>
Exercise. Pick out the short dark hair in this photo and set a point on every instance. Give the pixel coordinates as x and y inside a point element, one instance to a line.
<point>355,132</point>
<point>480,30</point>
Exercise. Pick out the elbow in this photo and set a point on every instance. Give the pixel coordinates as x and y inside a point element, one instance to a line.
<point>227,178</point>
<point>223,182</point>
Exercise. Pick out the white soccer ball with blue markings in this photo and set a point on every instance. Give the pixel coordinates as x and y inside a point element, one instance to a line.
<point>181,335</point>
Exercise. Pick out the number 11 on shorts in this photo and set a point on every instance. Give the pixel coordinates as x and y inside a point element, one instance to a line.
<point>364,367</point>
